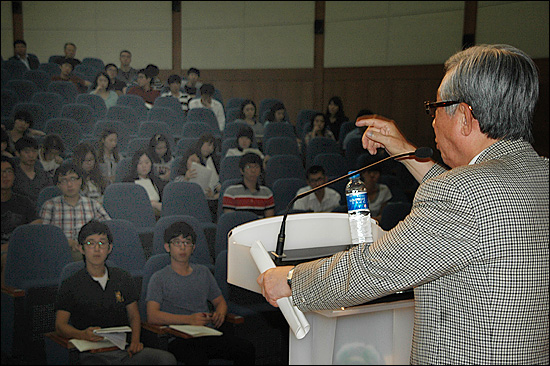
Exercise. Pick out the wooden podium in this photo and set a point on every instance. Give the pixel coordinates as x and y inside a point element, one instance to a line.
<point>377,333</point>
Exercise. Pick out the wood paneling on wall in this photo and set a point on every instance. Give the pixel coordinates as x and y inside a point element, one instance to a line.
<point>397,92</point>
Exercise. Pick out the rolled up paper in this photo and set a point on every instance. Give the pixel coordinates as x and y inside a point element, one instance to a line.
<point>294,316</point>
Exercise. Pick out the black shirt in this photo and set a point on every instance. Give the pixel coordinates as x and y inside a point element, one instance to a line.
<point>90,305</point>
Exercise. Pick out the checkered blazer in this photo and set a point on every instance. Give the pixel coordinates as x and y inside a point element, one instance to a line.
<point>475,249</point>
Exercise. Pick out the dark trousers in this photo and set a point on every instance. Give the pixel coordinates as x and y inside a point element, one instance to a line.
<point>197,351</point>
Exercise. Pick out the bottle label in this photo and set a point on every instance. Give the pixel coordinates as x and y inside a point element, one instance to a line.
<point>357,202</point>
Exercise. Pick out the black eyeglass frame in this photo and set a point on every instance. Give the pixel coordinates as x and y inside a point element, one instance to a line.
<point>432,106</point>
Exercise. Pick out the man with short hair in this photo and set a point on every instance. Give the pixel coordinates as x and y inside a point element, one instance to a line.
<point>30,177</point>
<point>249,195</point>
<point>20,54</point>
<point>67,67</point>
<point>207,101</point>
<point>180,294</point>
<point>71,210</point>
<point>98,296</point>
<point>174,83</point>
<point>323,200</point>
<point>192,83</point>
<point>126,73</point>
<point>144,88</point>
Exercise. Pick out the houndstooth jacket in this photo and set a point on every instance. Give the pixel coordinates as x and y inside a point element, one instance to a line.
<point>475,249</point>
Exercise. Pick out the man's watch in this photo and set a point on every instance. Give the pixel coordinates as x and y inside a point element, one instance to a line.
<point>289,277</point>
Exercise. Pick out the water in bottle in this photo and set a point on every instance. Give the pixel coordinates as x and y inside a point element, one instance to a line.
<point>358,211</point>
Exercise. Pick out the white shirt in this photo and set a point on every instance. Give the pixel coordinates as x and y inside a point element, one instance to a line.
<point>331,200</point>
<point>216,107</point>
<point>150,188</point>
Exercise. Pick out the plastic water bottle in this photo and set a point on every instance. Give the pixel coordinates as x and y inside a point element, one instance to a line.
<point>358,211</point>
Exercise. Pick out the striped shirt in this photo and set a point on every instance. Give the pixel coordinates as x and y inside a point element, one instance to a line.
<point>56,211</point>
<point>238,197</point>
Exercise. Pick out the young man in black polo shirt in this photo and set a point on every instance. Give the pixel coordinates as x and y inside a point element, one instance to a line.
<point>98,296</point>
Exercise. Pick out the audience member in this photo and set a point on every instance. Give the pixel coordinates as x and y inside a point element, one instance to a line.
<point>154,71</point>
<point>192,83</point>
<point>6,143</point>
<point>249,195</point>
<point>174,83</point>
<point>98,296</point>
<point>70,211</point>
<point>67,75</point>
<point>93,181</point>
<point>378,194</point>
<point>248,114</point>
<point>17,210</point>
<point>141,172</point>
<point>318,128</point>
<point>22,126</point>
<point>144,89</point>
<point>108,155</point>
<point>102,87</point>
<point>161,156</point>
<point>20,54</point>
<point>202,153</point>
<point>116,85</point>
<point>207,101</point>
<point>323,200</point>
<point>180,293</point>
<point>69,53</point>
<point>335,116</point>
<point>30,178</point>
<point>50,153</point>
<point>245,136</point>
<point>276,114</point>
<point>126,73</point>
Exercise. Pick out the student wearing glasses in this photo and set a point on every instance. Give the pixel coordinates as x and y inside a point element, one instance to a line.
<point>71,211</point>
<point>98,296</point>
<point>179,294</point>
<point>323,200</point>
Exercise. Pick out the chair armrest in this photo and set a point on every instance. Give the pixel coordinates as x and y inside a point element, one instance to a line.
<point>234,318</point>
<point>157,329</point>
<point>13,291</point>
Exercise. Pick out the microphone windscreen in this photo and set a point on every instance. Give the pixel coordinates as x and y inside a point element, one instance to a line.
<point>423,152</point>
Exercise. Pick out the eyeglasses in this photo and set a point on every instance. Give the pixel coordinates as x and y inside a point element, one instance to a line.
<point>8,171</point>
<point>101,244</point>
<point>252,166</point>
<point>181,243</point>
<point>68,180</point>
<point>432,106</point>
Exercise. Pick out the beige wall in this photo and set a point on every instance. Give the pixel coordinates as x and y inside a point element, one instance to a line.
<point>273,34</point>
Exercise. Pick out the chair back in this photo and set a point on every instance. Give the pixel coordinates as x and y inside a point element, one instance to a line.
<point>226,222</point>
<point>196,129</point>
<point>82,113</point>
<point>127,200</point>
<point>278,129</point>
<point>128,252</point>
<point>39,77</point>
<point>318,145</point>
<point>9,100</point>
<point>335,164</point>
<point>134,145</point>
<point>150,128</point>
<point>184,144</point>
<point>96,102</point>
<point>136,103</point>
<point>52,103</point>
<point>283,166</point>
<point>281,145</point>
<point>225,184</point>
<point>284,190</point>
<point>234,102</point>
<point>393,213</point>
<point>69,130</point>
<point>173,104</point>
<point>302,119</point>
<point>36,257</point>
<point>50,68</point>
<point>229,168</point>
<point>174,120</point>
<point>185,198</point>
<point>125,114</point>
<point>37,111</point>
<point>23,88</point>
<point>45,194</point>
<point>232,129</point>
<point>204,115</point>
<point>66,89</point>
<point>231,114</point>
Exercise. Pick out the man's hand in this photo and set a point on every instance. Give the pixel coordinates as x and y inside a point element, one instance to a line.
<point>200,318</point>
<point>383,133</point>
<point>274,284</point>
<point>89,335</point>
<point>134,348</point>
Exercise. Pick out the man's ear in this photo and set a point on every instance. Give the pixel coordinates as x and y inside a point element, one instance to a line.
<point>167,247</point>
<point>467,120</point>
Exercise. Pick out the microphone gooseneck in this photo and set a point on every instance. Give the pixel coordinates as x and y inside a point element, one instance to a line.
<point>421,153</point>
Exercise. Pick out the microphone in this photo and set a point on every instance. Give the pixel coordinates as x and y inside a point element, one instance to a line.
<point>278,255</point>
